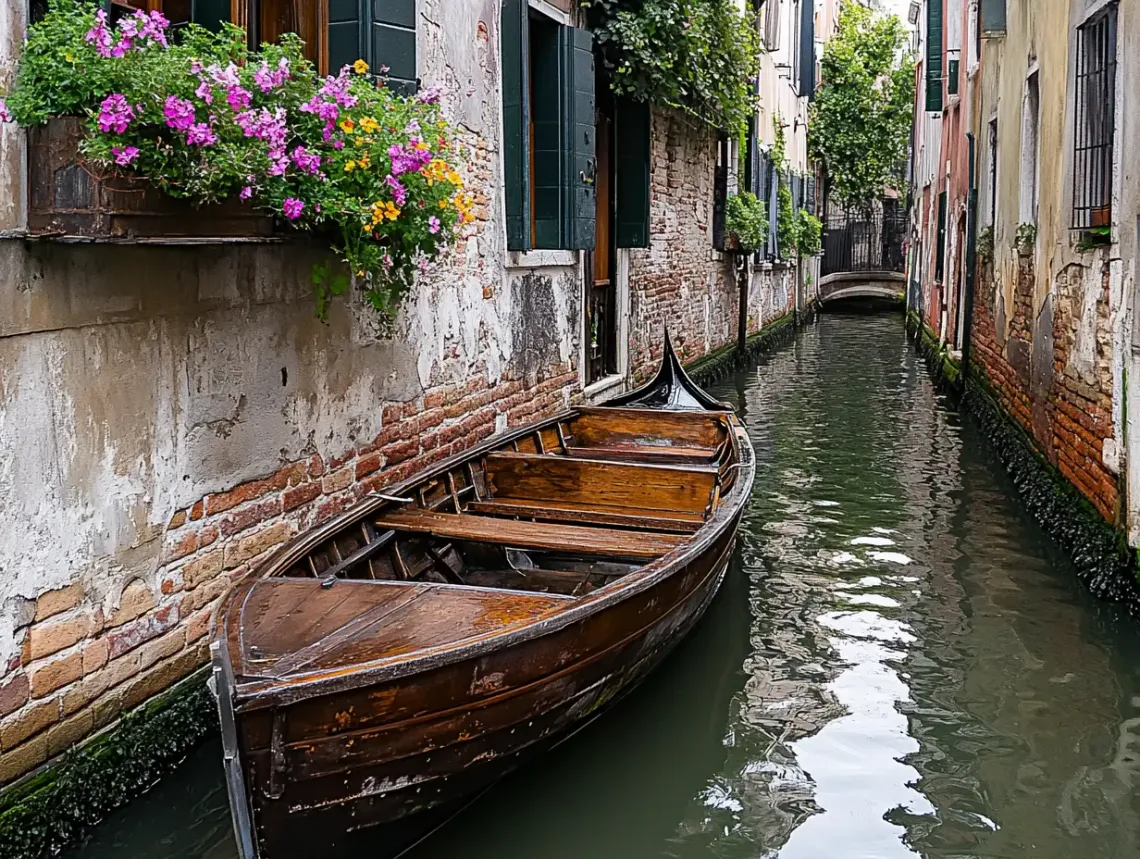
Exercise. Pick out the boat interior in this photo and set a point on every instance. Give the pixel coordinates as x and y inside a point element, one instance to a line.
<point>560,511</point>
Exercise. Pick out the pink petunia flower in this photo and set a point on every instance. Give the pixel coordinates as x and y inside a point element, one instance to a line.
<point>292,208</point>
<point>246,193</point>
<point>200,134</point>
<point>433,225</point>
<point>179,113</point>
<point>5,114</point>
<point>429,96</point>
<point>115,114</point>
<point>126,155</point>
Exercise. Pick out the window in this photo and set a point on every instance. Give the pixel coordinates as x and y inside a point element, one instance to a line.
<point>549,132</point>
<point>1095,122</point>
<point>771,32</point>
<point>934,56</point>
<point>1030,113</point>
<point>993,17</point>
<point>336,32</point>
<point>805,53</point>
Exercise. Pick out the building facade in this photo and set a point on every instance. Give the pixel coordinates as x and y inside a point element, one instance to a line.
<point>1032,161</point>
<point>170,414</point>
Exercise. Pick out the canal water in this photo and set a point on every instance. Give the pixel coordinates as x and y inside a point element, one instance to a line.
<point>900,665</point>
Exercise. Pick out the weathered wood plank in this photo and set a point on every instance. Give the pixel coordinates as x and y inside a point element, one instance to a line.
<point>600,484</point>
<point>564,512</point>
<point>530,535</point>
<point>594,427</point>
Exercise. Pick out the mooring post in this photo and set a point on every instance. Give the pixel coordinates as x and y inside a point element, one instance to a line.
<point>742,322</point>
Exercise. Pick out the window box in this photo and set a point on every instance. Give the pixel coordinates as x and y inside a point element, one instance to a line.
<point>71,199</point>
<point>1101,216</point>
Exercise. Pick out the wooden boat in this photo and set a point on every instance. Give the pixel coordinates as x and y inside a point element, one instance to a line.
<point>408,654</point>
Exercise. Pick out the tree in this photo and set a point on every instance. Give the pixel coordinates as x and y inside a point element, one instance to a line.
<point>861,118</point>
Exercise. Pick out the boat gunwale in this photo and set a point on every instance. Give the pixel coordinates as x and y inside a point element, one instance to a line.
<point>255,694</point>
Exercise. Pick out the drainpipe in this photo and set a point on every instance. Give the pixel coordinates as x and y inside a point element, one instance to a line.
<point>971,259</point>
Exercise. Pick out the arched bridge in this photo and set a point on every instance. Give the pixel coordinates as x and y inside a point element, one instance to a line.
<point>863,255</point>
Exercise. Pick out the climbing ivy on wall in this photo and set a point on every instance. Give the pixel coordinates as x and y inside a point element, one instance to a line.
<point>861,118</point>
<point>698,56</point>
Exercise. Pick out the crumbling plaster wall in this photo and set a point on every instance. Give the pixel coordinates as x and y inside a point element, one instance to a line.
<point>136,381</point>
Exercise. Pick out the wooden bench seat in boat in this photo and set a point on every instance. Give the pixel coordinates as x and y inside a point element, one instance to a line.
<point>589,514</point>
<point>531,535</point>
<point>604,427</point>
<point>290,627</point>
<point>645,453</point>
<point>601,485</point>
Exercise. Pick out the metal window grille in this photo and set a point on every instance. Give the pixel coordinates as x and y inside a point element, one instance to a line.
<point>1095,121</point>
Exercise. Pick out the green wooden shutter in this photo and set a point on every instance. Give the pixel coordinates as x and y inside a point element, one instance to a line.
<point>546,112</point>
<point>993,16</point>
<point>934,56</point>
<point>579,132</point>
<point>392,42</point>
<point>211,14</point>
<point>514,47</point>
<point>807,49</point>
<point>631,185</point>
<point>346,33</point>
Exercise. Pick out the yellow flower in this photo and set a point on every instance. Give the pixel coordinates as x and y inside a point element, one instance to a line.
<point>455,179</point>
<point>443,203</point>
<point>360,67</point>
<point>365,161</point>
<point>347,125</point>
<point>360,141</point>
<point>390,211</point>
<point>422,145</point>
<point>349,166</point>
<point>369,125</point>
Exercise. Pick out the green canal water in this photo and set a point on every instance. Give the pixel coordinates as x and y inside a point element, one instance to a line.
<point>900,664</point>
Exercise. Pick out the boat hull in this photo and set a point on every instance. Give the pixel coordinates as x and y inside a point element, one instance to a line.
<point>399,758</point>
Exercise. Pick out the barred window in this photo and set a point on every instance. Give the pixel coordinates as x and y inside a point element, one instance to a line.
<point>1095,121</point>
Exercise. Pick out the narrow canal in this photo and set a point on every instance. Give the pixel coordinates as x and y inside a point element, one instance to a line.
<point>900,665</point>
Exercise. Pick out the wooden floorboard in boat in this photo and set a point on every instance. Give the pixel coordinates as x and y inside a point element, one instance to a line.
<point>415,618</point>
<point>532,535</point>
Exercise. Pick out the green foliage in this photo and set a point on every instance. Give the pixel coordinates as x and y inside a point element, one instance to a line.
<point>1094,237</point>
<point>787,225</point>
<point>201,117</point>
<point>986,244</point>
<point>746,221</point>
<point>779,144</point>
<point>698,56</point>
<point>809,234</point>
<point>1026,237</point>
<point>861,118</point>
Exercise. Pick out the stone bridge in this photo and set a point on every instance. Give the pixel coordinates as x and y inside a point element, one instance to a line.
<point>849,285</point>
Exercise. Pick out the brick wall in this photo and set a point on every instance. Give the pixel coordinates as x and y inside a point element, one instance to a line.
<point>1062,397</point>
<point>79,668</point>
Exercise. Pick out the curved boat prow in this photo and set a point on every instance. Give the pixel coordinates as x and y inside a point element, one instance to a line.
<point>671,389</point>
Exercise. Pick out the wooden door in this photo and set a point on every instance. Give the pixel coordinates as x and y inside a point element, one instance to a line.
<point>601,304</point>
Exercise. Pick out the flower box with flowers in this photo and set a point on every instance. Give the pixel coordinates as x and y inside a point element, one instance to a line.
<point>246,136</point>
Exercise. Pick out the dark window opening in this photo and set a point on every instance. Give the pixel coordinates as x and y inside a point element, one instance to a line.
<point>993,170</point>
<point>1095,124</point>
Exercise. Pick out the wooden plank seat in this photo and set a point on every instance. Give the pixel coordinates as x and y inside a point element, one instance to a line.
<point>532,535</point>
<point>566,511</point>
<point>601,485</point>
<point>599,426</point>
<point>646,453</point>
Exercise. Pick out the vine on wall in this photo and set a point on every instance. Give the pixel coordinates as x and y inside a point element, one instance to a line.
<point>698,56</point>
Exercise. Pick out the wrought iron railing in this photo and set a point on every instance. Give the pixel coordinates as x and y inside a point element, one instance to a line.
<point>860,240</point>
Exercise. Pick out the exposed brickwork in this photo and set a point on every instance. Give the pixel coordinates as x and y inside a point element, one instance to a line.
<point>1067,412</point>
<point>80,669</point>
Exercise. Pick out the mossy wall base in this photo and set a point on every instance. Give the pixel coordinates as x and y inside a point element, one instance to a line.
<point>51,809</point>
<point>1100,553</point>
